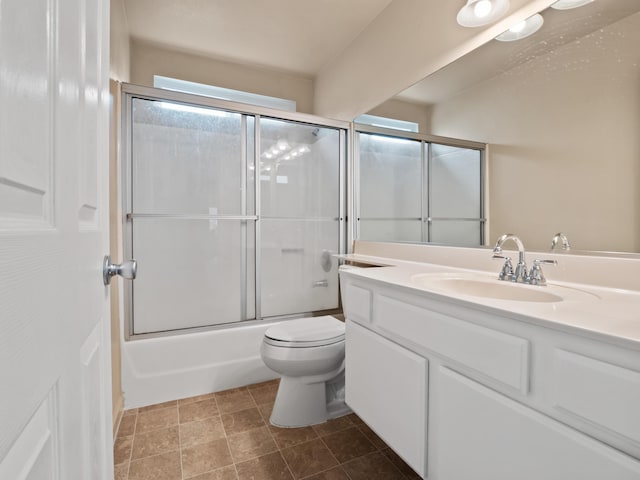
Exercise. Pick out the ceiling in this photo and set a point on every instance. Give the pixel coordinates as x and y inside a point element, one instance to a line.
<point>298,36</point>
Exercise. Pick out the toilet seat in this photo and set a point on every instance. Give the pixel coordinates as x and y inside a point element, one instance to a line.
<point>306,332</point>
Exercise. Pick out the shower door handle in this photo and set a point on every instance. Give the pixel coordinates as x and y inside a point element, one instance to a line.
<point>126,269</point>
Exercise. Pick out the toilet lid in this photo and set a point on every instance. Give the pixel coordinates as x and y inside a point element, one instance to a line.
<point>309,330</point>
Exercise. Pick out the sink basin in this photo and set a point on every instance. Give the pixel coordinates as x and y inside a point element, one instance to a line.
<point>477,285</point>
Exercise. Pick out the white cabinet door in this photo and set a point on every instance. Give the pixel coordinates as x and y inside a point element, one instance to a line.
<point>386,385</point>
<point>486,436</point>
<point>55,415</point>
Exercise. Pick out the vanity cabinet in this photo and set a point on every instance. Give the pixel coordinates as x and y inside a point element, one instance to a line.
<point>388,390</point>
<point>469,393</point>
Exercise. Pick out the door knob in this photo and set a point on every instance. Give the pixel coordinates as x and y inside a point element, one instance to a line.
<point>126,269</point>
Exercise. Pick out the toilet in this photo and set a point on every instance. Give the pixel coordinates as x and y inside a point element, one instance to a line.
<point>308,353</point>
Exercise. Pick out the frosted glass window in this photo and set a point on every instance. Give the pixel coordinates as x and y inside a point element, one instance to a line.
<point>187,159</point>
<point>211,280</point>
<point>460,233</point>
<point>454,186</point>
<point>390,177</point>
<point>391,230</point>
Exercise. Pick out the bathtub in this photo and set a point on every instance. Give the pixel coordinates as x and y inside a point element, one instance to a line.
<point>156,370</point>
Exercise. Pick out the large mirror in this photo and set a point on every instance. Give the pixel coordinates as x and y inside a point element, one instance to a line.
<point>560,111</point>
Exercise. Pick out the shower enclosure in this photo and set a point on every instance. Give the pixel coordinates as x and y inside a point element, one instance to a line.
<point>418,188</point>
<point>232,212</point>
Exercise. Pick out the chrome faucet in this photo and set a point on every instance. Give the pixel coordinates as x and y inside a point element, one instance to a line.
<point>507,273</point>
<point>560,237</point>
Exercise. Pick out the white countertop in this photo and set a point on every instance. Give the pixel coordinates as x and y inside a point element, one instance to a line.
<point>606,314</point>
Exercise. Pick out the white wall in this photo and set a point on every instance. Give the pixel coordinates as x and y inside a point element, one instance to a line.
<point>409,112</point>
<point>119,42</point>
<point>409,40</point>
<point>148,60</point>
<point>564,143</point>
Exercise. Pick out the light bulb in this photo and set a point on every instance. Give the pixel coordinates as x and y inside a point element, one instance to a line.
<point>268,155</point>
<point>283,145</point>
<point>482,8</point>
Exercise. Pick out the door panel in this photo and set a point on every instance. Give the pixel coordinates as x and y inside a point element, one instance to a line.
<point>54,417</point>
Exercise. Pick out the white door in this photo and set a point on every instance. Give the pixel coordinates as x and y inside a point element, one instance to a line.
<point>55,416</point>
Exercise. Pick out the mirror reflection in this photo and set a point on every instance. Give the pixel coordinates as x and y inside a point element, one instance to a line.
<point>560,111</point>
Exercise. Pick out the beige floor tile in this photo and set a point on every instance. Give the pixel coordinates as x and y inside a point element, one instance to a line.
<point>224,473</point>
<point>122,450</point>
<point>205,457</point>
<point>348,444</point>
<point>264,393</point>
<point>336,473</point>
<point>160,467</point>
<point>131,411</point>
<point>251,444</point>
<point>121,472</point>
<point>158,406</point>
<point>197,398</point>
<point>192,412</point>
<point>267,467</point>
<point>265,410</point>
<point>202,431</point>
<point>234,400</point>
<point>309,458</point>
<point>372,437</point>
<point>400,464</point>
<point>242,421</point>
<point>155,442</point>
<point>156,419</point>
<point>288,437</point>
<point>372,467</point>
<point>332,426</point>
<point>127,425</point>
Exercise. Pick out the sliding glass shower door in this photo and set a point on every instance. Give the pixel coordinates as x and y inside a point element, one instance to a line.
<point>231,215</point>
<point>300,217</point>
<point>191,221</point>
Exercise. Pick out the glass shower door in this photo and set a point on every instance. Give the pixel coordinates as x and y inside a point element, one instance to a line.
<point>191,216</point>
<point>299,218</point>
<point>391,179</point>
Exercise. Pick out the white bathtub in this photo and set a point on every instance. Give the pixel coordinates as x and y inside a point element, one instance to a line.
<point>156,370</point>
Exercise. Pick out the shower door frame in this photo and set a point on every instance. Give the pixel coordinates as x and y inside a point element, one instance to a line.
<point>129,92</point>
<point>425,163</point>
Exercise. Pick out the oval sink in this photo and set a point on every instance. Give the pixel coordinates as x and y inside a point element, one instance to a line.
<point>486,287</point>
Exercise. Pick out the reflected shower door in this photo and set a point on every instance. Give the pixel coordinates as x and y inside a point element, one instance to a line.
<point>455,195</point>
<point>191,216</point>
<point>391,174</point>
<point>299,217</point>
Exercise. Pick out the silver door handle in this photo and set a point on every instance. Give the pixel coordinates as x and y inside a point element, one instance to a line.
<point>126,269</point>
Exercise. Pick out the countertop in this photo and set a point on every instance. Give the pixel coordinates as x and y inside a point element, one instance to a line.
<point>605,314</point>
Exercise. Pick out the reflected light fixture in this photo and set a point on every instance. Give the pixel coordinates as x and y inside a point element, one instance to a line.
<point>522,29</point>
<point>569,4</point>
<point>477,13</point>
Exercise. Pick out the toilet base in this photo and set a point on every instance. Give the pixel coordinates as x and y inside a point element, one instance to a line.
<point>300,404</point>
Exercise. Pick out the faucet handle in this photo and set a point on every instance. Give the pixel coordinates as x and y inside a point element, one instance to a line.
<point>536,277</point>
<point>507,269</point>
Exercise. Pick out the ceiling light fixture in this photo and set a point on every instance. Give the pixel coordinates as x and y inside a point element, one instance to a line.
<point>522,29</point>
<point>569,4</point>
<point>477,13</point>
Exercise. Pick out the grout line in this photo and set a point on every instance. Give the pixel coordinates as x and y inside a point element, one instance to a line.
<point>179,443</point>
<point>133,441</point>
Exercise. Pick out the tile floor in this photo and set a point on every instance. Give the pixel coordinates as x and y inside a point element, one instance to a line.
<point>227,436</point>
